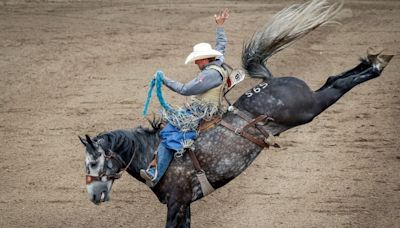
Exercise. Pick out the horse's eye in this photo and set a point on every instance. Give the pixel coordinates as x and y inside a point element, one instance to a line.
<point>92,164</point>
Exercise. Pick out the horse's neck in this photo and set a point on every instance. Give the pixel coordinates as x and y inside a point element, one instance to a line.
<point>142,159</point>
<point>141,152</point>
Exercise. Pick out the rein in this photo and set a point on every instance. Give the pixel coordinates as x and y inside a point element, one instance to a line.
<point>157,82</point>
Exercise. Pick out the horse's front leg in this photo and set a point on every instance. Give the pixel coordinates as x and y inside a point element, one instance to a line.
<point>178,215</point>
<point>187,217</point>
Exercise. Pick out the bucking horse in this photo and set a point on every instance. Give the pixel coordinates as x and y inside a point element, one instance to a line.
<point>224,153</point>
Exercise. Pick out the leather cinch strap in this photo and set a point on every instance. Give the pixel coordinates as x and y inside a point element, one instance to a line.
<point>195,161</point>
<point>242,132</point>
<point>258,119</point>
<point>205,185</point>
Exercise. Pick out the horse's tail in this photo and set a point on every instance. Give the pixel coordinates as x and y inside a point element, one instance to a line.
<point>285,27</point>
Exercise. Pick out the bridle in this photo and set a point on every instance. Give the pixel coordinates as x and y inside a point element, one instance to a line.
<point>103,175</point>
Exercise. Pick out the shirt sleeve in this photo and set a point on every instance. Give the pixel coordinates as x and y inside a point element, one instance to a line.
<point>205,80</point>
<point>221,42</point>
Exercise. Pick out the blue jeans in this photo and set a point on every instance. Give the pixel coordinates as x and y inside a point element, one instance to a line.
<point>171,141</point>
<point>164,158</point>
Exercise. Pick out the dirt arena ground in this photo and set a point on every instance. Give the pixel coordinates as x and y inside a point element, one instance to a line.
<point>71,68</point>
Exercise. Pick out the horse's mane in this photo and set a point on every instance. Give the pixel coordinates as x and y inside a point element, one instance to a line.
<point>125,141</point>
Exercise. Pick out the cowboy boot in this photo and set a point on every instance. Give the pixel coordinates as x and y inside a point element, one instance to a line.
<point>154,173</point>
<point>149,175</point>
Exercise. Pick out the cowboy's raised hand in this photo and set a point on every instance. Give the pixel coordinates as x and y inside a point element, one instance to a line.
<point>221,17</point>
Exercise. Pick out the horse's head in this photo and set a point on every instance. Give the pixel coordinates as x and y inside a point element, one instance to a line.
<point>102,166</point>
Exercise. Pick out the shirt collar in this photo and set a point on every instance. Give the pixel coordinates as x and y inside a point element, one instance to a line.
<point>216,62</point>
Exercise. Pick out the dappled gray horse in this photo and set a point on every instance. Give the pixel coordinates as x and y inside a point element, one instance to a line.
<point>222,153</point>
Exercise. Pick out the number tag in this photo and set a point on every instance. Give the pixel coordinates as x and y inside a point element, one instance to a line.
<point>249,94</point>
<point>264,85</point>
<point>256,89</point>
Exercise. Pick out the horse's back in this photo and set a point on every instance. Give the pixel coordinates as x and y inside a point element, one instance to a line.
<point>282,98</point>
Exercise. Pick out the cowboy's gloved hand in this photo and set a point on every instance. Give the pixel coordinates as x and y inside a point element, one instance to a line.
<point>221,17</point>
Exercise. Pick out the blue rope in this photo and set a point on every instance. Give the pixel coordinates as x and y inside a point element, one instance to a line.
<point>157,82</point>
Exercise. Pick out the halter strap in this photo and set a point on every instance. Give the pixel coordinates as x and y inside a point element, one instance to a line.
<point>115,156</point>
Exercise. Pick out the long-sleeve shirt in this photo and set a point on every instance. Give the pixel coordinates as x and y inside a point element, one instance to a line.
<point>207,78</point>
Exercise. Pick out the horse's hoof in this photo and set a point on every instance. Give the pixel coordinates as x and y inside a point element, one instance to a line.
<point>373,53</point>
<point>382,61</point>
<point>385,59</point>
<point>377,57</point>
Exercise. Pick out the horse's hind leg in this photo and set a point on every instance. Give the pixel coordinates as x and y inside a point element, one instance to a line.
<point>329,95</point>
<point>178,215</point>
<point>339,85</point>
<point>375,58</point>
<point>356,70</point>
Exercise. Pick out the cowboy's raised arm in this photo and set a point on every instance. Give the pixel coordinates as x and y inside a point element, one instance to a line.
<point>207,79</point>
<point>221,39</point>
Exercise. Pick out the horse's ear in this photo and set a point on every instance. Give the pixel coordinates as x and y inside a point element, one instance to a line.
<point>89,140</point>
<point>155,123</point>
<point>83,141</point>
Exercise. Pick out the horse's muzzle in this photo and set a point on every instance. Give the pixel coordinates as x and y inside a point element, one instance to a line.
<point>100,198</point>
<point>99,192</point>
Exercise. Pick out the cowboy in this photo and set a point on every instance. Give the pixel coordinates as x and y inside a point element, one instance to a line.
<point>206,88</point>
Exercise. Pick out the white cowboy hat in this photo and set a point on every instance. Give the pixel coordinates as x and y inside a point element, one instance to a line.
<point>202,51</point>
